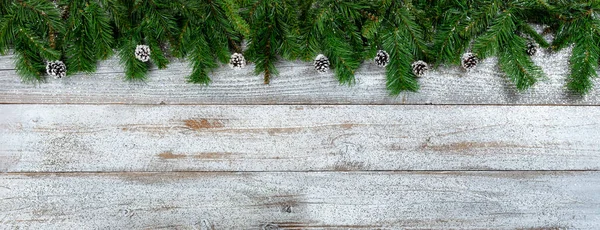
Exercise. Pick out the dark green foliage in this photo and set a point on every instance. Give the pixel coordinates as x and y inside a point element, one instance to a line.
<point>501,40</point>
<point>207,33</point>
<point>89,35</point>
<point>348,32</point>
<point>398,32</point>
<point>150,23</point>
<point>273,33</point>
<point>449,42</point>
<point>494,28</point>
<point>333,28</point>
<point>579,24</point>
<point>32,28</point>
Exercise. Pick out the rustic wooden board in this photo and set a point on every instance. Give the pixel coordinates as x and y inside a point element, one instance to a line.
<point>301,200</point>
<point>297,84</point>
<point>101,138</point>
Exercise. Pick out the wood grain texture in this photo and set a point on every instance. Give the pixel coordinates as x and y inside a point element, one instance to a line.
<point>112,138</point>
<point>301,200</point>
<point>297,84</point>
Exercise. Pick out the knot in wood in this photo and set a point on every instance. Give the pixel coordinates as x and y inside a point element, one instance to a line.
<point>270,226</point>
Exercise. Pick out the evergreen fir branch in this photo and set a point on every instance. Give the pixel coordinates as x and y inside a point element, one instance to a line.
<point>264,55</point>
<point>333,31</point>
<point>148,21</point>
<point>89,37</point>
<point>399,75</point>
<point>30,26</point>
<point>519,67</point>
<point>562,38</point>
<point>46,16</point>
<point>221,31</point>
<point>115,10</point>
<point>180,44</point>
<point>100,30</point>
<point>370,29</point>
<point>500,39</point>
<point>29,65</point>
<point>6,32</point>
<point>529,30</point>
<point>341,56</point>
<point>288,24</point>
<point>201,62</point>
<point>448,44</point>
<point>232,12</point>
<point>347,32</point>
<point>134,68</point>
<point>158,20</point>
<point>80,58</point>
<point>427,15</point>
<point>579,25</point>
<point>4,4</point>
<point>584,63</point>
<point>35,43</point>
<point>499,33</point>
<point>402,37</point>
<point>480,17</point>
<point>272,35</point>
<point>157,55</point>
<point>204,37</point>
<point>407,21</point>
<point>313,25</point>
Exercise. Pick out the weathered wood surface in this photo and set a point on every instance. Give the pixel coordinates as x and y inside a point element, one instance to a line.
<point>301,153</point>
<point>112,138</point>
<point>297,84</point>
<point>301,200</point>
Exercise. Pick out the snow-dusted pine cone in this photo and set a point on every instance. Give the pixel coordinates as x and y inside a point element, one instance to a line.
<point>237,61</point>
<point>56,69</point>
<point>469,61</point>
<point>321,63</point>
<point>419,67</point>
<point>531,48</point>
<point>142,53</point>
<point>382,59</point>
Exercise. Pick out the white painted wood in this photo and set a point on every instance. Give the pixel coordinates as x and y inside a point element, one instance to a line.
<point>113,138</point>
<point>301,200</point>
<point>297,84</point>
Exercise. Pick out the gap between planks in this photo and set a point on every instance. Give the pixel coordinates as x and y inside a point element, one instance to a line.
<point>300,104</point>
<point>303,171</point>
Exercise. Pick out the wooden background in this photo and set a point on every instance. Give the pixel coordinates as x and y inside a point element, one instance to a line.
<point>467,152</point>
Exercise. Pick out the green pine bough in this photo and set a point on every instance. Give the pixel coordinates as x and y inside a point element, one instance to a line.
<point>405,36</point>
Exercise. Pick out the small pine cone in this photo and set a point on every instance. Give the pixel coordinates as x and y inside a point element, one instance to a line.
<point>56,69</point>
<point>382,59</point>
<point>469,61</point>
<point>321,63</point>
<point>237,61</point>
<point>419,67</point>
<point>142,53</point>
<point>531,48</point>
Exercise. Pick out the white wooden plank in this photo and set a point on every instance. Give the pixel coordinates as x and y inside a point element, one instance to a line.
<point>297,84</point>
<point>301,200</point>
<point>74,138</point>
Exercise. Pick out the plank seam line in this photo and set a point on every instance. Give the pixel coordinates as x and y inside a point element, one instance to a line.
<point>307,171</point>
<point>300,104</point>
